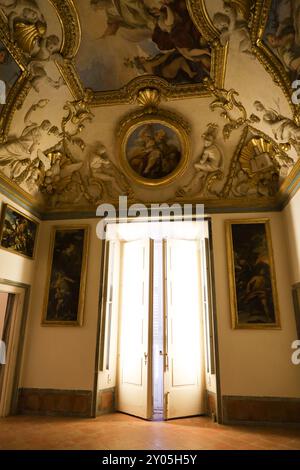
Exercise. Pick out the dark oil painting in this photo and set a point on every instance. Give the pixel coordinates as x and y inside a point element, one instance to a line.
<point>18,232</point>
<point>253,271</point>
<point>67,277</point>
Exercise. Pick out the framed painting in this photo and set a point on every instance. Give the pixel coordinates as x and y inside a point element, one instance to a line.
<point>18,232</point>
<point>154,150</point>
<point>253,292</point>
<point>65,288</point>
<point>296,299</point>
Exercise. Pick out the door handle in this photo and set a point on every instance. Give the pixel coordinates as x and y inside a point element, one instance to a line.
<point>145,358</point>
<point>166,359</point>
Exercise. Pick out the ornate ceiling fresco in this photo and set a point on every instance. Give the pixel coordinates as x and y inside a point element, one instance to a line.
<point>161,100</point>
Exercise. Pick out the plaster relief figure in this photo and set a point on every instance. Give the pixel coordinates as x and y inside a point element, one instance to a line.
<point>285,130</point>
<point>209,163</point>
<point>105,178</point>
<point>233,28</point>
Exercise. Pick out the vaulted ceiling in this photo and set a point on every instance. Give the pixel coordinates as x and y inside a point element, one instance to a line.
<point>159,100</point>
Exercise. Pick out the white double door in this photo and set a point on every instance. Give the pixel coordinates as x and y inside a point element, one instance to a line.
<point>183,372</point>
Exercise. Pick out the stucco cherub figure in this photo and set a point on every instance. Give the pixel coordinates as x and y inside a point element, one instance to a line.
<point>210,162</point>
<point>233,26</point>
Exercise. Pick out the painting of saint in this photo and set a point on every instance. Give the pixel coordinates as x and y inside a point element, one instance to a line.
<point>253,288</point>
<point>9,71</point>
<point>282,34</point>
<point>130,38</point>
<point>66,286</point>
<point>18,232</point>
<point>153,151</point>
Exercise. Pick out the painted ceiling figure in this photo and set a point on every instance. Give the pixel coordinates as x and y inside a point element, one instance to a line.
<point>175,31</point>
<point>131,14</point>
<point>283,34</point>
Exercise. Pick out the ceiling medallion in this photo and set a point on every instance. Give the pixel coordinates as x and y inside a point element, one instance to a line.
<point>153,144</point>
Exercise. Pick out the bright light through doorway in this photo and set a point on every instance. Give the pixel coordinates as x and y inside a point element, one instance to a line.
<point>159,313</point>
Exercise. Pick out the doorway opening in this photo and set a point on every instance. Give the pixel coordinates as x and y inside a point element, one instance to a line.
<point>13,310</point>
<point>157,349</point>
<point>158,336</point>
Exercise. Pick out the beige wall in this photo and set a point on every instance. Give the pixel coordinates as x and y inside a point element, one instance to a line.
<point>256,362</point>
<point>292,224</point>
<point>253,362</point>
<point>61,357</point>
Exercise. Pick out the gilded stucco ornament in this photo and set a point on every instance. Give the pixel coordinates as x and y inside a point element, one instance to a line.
<point>231,109</point>
<point>149,98</point>
<point>23,30</point>
<point>258,167</point>
<point>18,92</point>
<point>86,180</point>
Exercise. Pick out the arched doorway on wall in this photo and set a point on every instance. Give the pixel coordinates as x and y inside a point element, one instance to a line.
<point>157,348</point>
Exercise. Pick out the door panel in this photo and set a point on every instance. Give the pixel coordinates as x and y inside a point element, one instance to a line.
<point>184,364</point>
<point>135,309</point>
<point>7,373</point>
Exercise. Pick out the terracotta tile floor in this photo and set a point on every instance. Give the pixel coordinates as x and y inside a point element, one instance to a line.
<point>119,431</point>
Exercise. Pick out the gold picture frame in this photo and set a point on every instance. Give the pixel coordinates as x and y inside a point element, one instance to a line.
<point>252,280</point>
<point>18,232</point>
<point>154,148</point>
<point>66,278</point>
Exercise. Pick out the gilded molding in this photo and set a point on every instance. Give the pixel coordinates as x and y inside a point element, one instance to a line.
<point>271,63</point>
<point>163,114</point>
<point>127,94</point>
<point>20,89</point>
<point>69,19</point>
<point>275,149</point>
<point>290,186</point>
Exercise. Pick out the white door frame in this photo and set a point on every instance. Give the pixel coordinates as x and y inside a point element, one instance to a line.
<point>9,394</point>
<point>214,332</point>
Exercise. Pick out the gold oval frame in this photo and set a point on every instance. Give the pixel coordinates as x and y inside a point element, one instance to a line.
<point>176,126</point>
